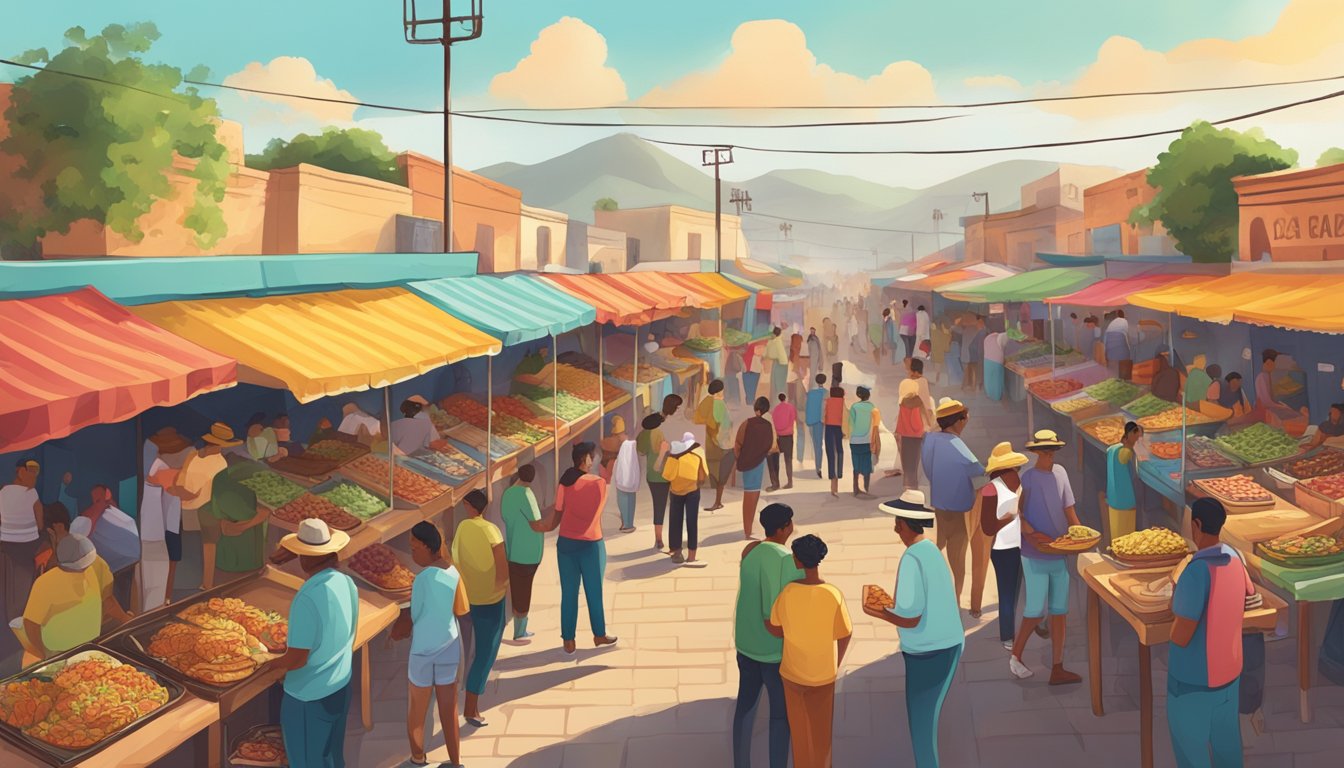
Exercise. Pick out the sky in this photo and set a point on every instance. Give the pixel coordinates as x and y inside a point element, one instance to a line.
<point>546,53</point>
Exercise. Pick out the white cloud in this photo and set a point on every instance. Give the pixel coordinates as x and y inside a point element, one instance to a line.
<point>992,82</point>
<point>285,74</point>
<point>567,67</point>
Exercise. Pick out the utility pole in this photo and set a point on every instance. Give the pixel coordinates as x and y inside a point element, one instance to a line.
<point>938,228</point>
<point>740,198</point>
<point>422,31</point>
<point>786,228</point>
<point>984,225</point>
<point>717,157</point>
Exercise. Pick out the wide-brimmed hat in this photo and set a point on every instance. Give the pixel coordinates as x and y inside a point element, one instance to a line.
<point>418,400</point>
<point>315,538</point>
<point>910,506</point>
<point>948,407</point>
<point>221,434</point>
<point>686,443</point>
<point>75,553</point>
<point>1044,438</point>
<point>169,441</point>
<point>1004,457</point>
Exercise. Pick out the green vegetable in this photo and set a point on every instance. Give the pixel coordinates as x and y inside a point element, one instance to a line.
<point>704,344</point>
<point>1259,443</point>
<point>735,338</point>
<point>566,406</point>
<point>272,489</point>
<point>355,500</point>
<point>1148,405</point>
<point>1114,391</point>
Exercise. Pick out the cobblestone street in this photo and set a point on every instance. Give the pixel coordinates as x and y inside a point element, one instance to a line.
<point>664,696</point>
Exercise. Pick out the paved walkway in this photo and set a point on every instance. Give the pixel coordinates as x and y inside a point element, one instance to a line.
<point>664,696</point>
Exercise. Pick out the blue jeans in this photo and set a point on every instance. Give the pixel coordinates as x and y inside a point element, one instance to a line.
<point>750,381</point>
<point>1205,730</point>
<point>314,731</point>
<point>1008,576</point>
<point>835,452</point>
<point>752,676</point>
<point>487,622</point>
<point>816,432</point>
<point>581,562</point>
<point>927,678</point>
<point>625,502</point>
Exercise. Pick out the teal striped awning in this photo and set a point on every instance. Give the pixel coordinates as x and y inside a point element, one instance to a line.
<point>513,309</point>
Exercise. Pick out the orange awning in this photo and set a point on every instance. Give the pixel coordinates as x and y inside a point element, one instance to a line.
<point>1300,301</point>
<point>626,298</point>
<point>710,291</point>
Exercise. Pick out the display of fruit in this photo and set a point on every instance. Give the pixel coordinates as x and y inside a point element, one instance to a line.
<point>732,337</point>
<point>467,409</point>
<point>518,408</point>
<point>1239,489</point>
<point>355,500</point>
<point>380,566</point>
<point>1148,405</point>
<point>1172,418</point>
<point>1259,443</point>
<point>1049,389</point>
<point>1201,452</point>
<point>315,507</point>
<point>273,490</point>
<point>1165,450</point>
<point>1329,486</point>
<point>566,406</point>
<point>443,421</point>
<point>1152,541</point>
<point>1109,430</point>
<point>1114,391</point>
<point>74,704</point>
<point>411,486</point>
<point>1075,404</point>
<point>335,450</point>
<point>516,430</point>
<point>876,598</point>
<point>452,462</point>
<point>647,373</point>
<point>269,627</point>
<point>1327,462</point>
<point>705,344</point>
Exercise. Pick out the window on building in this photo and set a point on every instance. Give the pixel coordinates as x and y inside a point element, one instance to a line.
<point>693,246</point>
<point>1071,191</point>
<point>632,250</point>
<point>543,246</point>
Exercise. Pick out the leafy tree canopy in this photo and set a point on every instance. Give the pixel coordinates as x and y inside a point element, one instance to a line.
<point>345,150</point>
<point>1195,199</point>
<point>92,150</point>
<point>606,204</point>
<point>1330,156</point>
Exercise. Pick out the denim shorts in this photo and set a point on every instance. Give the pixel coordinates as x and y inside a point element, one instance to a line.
<point>1047,586</point>
<point>752,478</point>
<point>424,670</point>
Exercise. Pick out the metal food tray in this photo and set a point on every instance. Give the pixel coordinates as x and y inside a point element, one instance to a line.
<point>57,756</point>
<point>256,730</point>
<point>249,469</point>
<point>285,525</point>
<point>377,486</point>
<point>395,594</point>
<point>422,466</point>
<point>1305,455</point>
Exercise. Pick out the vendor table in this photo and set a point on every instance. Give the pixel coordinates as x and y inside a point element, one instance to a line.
<point>148,743</point>
<point>1151,629</point>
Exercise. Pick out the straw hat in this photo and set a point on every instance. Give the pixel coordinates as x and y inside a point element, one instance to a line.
<point>686,443</point>
<point>221,434</point>
<point>1004,457</point>
<point>418,400</point>
<point>315,538</point>
<point>910,506</point>
<point>948,406</point>
<point>1044,438</point>
<point>75,553</point>
<point>169,441</point>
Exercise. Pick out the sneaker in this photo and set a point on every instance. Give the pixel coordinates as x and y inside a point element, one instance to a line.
<point>1019,670</point>
<point>1061,676</point>
<point>1007,645</point>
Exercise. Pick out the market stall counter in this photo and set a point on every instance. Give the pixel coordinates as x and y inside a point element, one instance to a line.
<point>1152,626</point>
<point>146,745</point>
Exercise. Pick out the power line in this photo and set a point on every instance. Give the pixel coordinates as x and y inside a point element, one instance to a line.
<point>849,226</point>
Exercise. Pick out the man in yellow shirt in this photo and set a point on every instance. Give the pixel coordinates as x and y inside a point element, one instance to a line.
<point>68,603</point>
<point>479,553</point>
<point>194,486</point>
<point>811,617</point>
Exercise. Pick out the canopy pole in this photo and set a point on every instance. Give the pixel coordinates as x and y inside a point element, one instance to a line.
<point>634,381</point>
<point>391,456</point>
<point>1171,354</point>
<point>601,386</point>
<point>1054,312</point>
<point>489,424</point>
<point>555,410</point>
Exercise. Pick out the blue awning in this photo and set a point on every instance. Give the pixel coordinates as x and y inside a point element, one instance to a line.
<point>1097,259</point>
<point>514,309</point>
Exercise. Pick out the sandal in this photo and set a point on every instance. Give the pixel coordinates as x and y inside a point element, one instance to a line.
<point>476,722</point>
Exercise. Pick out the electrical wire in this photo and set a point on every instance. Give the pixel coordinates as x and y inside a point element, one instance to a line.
<point>793,220</point>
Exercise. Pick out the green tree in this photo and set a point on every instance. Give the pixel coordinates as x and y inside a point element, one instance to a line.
<point>1195,199</point>
<point>95,150</point>
<point>606,204</point>
<point>345,150</point>
<point>1330,156</point>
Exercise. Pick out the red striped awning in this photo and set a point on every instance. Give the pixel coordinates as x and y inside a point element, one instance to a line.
<point>72,360</point>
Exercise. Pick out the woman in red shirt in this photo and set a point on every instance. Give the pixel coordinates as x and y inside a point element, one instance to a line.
<point>833,417</point>
<point>580,550</point>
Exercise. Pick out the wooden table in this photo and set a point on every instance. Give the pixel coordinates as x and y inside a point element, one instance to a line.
<point>1151,629</point>
<point>149,743</point>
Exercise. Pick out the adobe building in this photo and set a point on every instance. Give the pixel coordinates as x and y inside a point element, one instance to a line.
<point>1292,215</point>
<point>1049,221</point>
<point>1106,218</point>
<point>674,233</point>
<point>542,237</point>
<point>486,214</point>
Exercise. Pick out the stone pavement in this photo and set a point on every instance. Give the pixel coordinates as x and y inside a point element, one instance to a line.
<point>664,696</point>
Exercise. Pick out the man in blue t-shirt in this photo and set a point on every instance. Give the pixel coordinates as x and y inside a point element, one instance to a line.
<point>813,418</point>
<point>1047,512</point>
<point>322,620</point>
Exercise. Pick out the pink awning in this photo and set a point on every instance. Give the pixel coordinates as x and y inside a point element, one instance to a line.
<point>1115,292</point>
<point>72,360</point>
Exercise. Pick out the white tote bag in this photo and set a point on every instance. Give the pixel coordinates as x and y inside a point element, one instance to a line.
<point>625,475</point>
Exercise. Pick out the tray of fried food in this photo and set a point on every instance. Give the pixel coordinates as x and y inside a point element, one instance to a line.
<point>262,746</point>
<point>876,598</point>
<point>1079,538</point>
<point>269,627</point>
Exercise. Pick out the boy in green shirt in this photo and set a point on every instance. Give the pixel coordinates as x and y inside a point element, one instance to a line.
<point>766,567</point>
<point>523,543</point>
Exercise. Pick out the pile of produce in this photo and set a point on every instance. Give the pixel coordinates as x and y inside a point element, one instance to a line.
<point>516,430</point>
<point>335,450</point>
<point>1329,486</point>
<point>1239,489</point>
<point>356,501</point>
<point>1114,391</point>
<point>273,490</point>
<point>566,406</point>
<point>876,598</point>
<point>506,425</point>
<point>380,566</point>
<point>735,338</point>
<point>1165,450</point>
<point>315,507</point>
<point>76,704</point>
<point>267,626</point>
<point>1048,389</point>
<point>579,383</point>
<point>1153,541</point>
<point>1259,443</point>
<point>1148,405</point>
<point>452,462</point>
<point>1290,547</point>
<point>1327,462</point>
<point>220,653</point>
<point>1172,418</point>
<point>1075,404</point>
<point>1200,452</point>
<point>443,421</point>
<point>413,487</point>
<point>1109,430</point>
<point>466,409</point>
<point>1015,335</point>
<point>518,408</point>
<point>704,344</point>
<point>647,373</point>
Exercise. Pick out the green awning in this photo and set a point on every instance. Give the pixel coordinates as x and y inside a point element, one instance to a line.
<point>513,309</point>
<point>1029,286</point>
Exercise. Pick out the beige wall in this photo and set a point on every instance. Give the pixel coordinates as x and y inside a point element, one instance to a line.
<point>313,210</point>
<point>530,233</point>
<point>668,232</point>
<point>486,214</point>
<point>607,248</point>
<point>647,225</point>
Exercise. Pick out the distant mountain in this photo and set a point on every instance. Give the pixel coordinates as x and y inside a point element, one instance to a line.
<point>638,174</point>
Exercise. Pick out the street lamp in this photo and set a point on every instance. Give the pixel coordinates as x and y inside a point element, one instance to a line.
<point>984,225</point>
<point>938,228</point>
